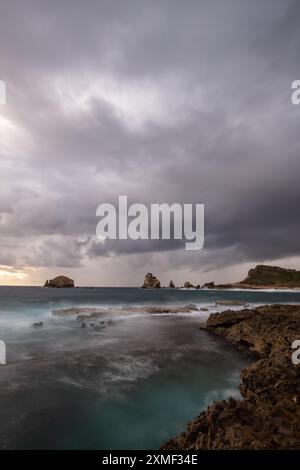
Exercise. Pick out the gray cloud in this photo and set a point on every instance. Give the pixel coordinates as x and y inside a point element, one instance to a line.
<point>162,101</point>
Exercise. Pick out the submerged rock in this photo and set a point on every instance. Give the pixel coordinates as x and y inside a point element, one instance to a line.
<point>60,281</point>
<point>268,416</point>
<point>209,285</point>
<point>88,313</point>
<point>151,282</point>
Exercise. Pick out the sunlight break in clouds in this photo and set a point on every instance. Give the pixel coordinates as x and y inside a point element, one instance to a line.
<point>12,276</point>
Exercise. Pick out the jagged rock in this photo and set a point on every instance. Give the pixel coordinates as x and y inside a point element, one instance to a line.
<point>172,285</point>
<point>209,285</point>
<point>60,281</point>
<point>39,324</point>
<point>151,282</point>
<point>268,416</point>
<point>188,285</point>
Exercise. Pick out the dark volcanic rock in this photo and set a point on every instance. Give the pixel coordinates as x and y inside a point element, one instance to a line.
<point>151,282</point>
<point>60,281</point>
<point>172,285</point>
<point>268,416</point>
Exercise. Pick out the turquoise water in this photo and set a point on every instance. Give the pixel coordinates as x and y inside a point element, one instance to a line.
<point>131,385</point>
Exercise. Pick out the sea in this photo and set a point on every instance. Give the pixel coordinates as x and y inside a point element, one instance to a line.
<point>127,379</point>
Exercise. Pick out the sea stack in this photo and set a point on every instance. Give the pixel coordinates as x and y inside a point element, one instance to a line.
<point>151,282</point>
<point>60,282</point>
<point>188,285</point>
<point>172,285</point>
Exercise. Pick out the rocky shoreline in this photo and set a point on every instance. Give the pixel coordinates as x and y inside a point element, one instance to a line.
<point>268,415</point>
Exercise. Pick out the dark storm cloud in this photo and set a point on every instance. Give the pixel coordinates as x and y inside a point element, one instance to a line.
<point>163,101</point>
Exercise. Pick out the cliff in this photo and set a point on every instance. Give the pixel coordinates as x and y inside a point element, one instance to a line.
<point>272,276</point>
<point>265,277</point>
<point>268,416</point>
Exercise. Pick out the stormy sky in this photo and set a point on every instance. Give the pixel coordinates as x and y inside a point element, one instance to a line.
<point>162,101</point>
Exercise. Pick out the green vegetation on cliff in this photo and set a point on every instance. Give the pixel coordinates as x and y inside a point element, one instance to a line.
<point>268,415</point>
<point>263,275</point>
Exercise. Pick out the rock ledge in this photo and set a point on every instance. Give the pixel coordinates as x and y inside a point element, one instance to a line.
<point>151,282</point>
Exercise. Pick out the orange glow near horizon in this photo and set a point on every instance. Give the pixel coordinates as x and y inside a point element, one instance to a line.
<point>12,277</point>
